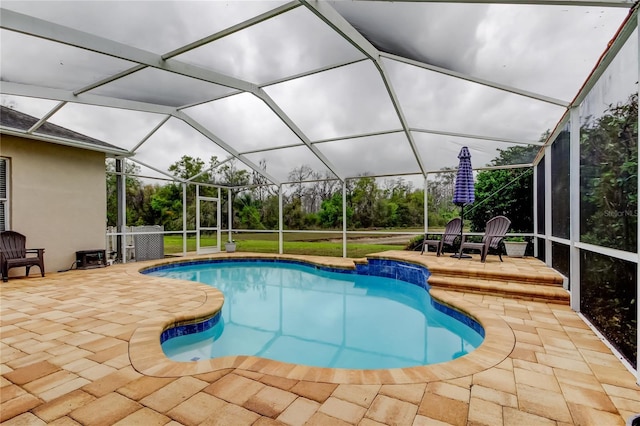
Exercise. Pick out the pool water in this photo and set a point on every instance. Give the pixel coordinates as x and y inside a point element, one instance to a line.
<point>299,314</point>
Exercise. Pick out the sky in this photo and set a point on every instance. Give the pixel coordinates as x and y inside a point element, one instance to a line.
<point>346,110</point>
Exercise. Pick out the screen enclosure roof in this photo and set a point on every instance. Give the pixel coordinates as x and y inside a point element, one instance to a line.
<point>345,88</point>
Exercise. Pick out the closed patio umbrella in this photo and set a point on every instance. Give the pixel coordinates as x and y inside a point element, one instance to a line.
<point>464,190</point>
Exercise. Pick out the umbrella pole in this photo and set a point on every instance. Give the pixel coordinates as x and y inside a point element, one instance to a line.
<point>461,224</point>
<point>459,255</point>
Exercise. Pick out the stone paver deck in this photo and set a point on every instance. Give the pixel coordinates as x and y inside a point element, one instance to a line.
<point>82,347</point>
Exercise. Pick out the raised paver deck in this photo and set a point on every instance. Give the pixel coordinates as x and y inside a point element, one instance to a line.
<point>82,347</point>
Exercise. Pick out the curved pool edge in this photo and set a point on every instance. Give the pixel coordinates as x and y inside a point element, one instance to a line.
<point>147,356</point>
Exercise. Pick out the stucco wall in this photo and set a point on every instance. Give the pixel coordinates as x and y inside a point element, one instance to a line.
<point>58,199</point>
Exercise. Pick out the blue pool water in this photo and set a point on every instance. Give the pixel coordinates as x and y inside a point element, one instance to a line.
<point>304,315</point>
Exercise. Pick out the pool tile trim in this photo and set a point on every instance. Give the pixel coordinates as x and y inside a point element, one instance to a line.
<point>164,266</point>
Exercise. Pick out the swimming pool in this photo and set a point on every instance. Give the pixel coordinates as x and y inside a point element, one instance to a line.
<point>296,313</point>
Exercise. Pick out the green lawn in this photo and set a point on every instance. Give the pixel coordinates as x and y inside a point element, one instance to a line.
<point>294,243</point>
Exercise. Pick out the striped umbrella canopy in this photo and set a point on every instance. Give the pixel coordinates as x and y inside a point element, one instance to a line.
<point>464,191</point>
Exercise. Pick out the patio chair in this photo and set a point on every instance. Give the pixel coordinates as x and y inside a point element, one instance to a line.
<point>451,232</point>
<point>494,233</point>
<point>13,254</point>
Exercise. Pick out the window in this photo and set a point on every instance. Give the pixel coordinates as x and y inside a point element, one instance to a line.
<point>4,194</point>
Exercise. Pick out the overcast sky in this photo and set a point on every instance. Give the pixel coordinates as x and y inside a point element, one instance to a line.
<point>547,50</point>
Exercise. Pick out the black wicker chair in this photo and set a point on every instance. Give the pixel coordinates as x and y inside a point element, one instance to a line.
<point>13,254</point>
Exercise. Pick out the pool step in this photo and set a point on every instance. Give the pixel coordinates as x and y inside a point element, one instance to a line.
<point>522,278</point>
<point>543,290</point>
<point>548,277</point>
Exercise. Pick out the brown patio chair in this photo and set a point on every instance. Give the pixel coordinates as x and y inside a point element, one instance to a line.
<point>13,254</point>
<point>494,233</point>
<point>451,232</point>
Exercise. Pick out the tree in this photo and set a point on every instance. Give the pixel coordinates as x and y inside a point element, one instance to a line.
<point>250,218</point>
<point>140,204</point>
<point>187,167</point>
<point>330,214</point>
<point>362,199</point>
<point>314,202</point>
<point>269,212</point>
<point>132,187</point>
<point>301,189</point>
<point>414,209</point>
<point>400,207</point>
<point>327,186</point>
<point>440,198</point>
<point>230,174</point>
<point>168,201</point>
<point>166,204</point>
<point>293,216</point>
<point>248,211</point>
<point>262,188</point>
<point>609,177</point>
<point>507,192</point>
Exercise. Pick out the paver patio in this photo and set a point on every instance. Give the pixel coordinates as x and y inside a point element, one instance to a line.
<point>82,347</point>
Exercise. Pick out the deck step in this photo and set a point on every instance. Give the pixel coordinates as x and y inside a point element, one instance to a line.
<point>544,291</point>
<point>549,277</point>
<point>521,278</point>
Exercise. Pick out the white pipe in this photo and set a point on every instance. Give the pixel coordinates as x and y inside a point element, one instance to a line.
<point>344,218</point>
<point>184,219</point>
<point>280,221</point>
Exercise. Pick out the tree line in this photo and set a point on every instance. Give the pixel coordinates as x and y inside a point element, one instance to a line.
<point>310,201</point>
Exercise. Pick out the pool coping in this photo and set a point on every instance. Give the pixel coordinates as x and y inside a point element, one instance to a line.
<point>147,357</point>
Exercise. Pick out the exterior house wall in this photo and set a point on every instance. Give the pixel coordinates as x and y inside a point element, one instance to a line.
<point>57,199</point>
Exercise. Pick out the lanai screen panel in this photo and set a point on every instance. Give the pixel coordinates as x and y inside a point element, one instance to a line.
<point>156,26</point>
<point>175,90</point>
<point>441,151</point>
<point>282,163</point>
<point>31,106</point>
<point>245,121</point>
<point>345,101</point>
<point>387,154</point>
<point>524,46</point>
<point>288,44</point>
<point>173,141</point>
<point>34,61</point>
<point>436,101</point>
<point>318,83</point>
<point>120,127</point>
